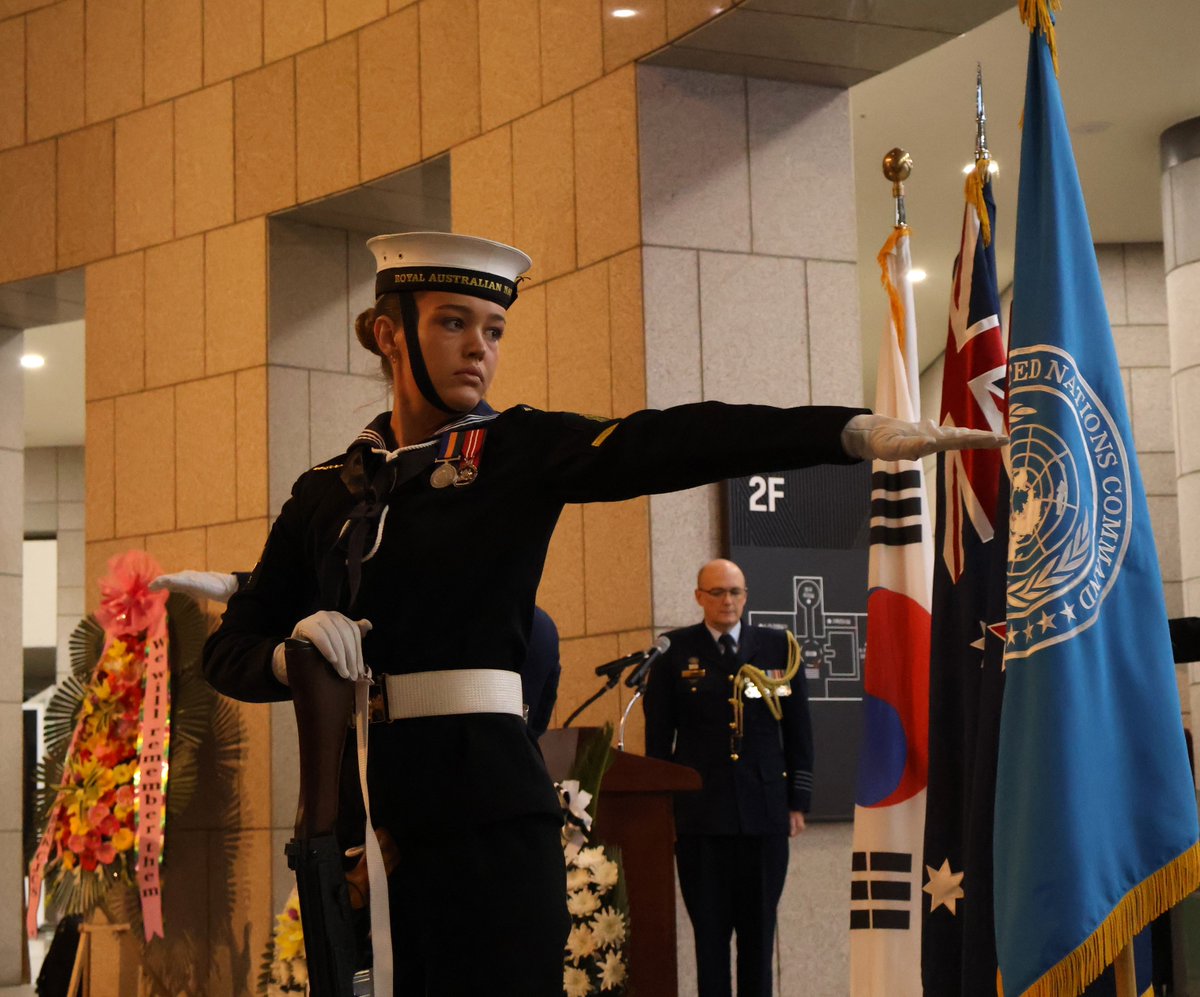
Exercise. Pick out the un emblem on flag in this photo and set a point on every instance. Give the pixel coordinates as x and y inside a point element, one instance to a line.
<point>1069,519</point>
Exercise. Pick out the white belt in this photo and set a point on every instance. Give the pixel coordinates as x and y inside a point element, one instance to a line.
<point>452,691</point>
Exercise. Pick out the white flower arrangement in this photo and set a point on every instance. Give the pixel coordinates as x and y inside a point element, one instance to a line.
<point>595,961</point>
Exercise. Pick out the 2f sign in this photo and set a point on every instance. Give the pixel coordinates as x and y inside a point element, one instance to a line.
<point>764,493</point>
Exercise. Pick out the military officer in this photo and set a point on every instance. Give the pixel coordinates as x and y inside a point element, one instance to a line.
<point>731,848</point>
<point>419,551</point>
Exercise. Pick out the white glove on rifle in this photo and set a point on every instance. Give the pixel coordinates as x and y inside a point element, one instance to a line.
<point>339,640</point>
<point>197,584</point>
<point>880,437</point>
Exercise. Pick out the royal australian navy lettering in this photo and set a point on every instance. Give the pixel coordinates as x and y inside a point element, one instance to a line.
<point>452,279</point>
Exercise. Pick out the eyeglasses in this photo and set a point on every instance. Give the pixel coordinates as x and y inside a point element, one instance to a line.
<point>736,593</point>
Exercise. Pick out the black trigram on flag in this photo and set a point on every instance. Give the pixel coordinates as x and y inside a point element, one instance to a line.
<point>876,887</point>
<point>896,498</point>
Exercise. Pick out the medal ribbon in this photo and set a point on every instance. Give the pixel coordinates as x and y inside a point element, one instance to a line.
<point>461,446</point>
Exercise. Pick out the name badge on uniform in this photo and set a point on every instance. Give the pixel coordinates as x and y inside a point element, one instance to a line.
<point>751,689</point>
<point>693,673</point>
<point>458,457</point>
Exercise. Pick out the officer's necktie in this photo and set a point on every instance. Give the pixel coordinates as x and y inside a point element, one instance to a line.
<point>728,646</point>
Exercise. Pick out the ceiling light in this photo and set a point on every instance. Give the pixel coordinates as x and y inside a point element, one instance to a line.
<point>916,275</point>
<point>32,361</point>
<point>624,12</point>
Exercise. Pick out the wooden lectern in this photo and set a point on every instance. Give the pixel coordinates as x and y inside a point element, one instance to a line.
<point>635,814</point>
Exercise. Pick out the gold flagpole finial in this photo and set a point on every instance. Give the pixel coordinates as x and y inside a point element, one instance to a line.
<point>897,167</point>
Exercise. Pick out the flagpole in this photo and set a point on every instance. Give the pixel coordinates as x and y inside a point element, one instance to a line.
<point>1124,970</point>
<point>897,166</point>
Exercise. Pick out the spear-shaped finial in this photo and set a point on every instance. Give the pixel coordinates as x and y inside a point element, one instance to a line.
<point>981,149</point>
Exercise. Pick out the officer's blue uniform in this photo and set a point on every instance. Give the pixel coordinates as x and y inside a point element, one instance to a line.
<point>732,836</point>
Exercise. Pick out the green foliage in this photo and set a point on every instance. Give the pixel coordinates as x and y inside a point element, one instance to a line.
<point>593,757</point>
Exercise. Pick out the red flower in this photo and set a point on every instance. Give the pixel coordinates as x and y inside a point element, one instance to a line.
<point>106,852</point>
<point>127,606</point>
<point>88,861</point>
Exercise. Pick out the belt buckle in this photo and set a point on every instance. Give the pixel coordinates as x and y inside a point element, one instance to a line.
<point>377,705</point>
<point>377,711</point>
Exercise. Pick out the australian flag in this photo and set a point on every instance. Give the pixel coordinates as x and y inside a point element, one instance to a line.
<point>966,680</point>
<point>1095,815</point>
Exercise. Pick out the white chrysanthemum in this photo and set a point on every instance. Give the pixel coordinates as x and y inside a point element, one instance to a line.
<point>609,927</point>
<point>590,857</point>
<point>612,972</point>
<point>580,942</point>
<point>583,903</point>
<point>576,982</point>
<point>605,875</point>
<point>577,879</point>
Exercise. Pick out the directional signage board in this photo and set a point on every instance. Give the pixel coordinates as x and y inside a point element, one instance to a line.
<point>801,538</point>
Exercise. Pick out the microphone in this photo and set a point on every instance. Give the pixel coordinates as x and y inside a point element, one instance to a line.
<point>618,665</point>
<point>638,675</point>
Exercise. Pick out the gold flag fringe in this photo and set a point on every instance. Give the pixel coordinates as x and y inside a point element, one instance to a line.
<point>1153,896</point>
<point>1037,14</point>
<point>885,278</point>
<point>974,191</point>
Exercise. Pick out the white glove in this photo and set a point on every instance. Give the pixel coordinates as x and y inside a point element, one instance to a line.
<point>197,584</point>
<point>879,437</point>
<point>337,637</point>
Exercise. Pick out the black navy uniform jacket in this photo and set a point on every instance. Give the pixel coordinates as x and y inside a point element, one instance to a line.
<point>453,581</point>
<point>687,721</point>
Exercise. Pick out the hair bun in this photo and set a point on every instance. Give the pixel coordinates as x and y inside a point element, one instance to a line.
<point>364,329</point>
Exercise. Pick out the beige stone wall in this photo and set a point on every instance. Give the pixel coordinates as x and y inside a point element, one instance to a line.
<point>12,468</point>
<point>54,506</point>
<point>147,140</point>
<point>1181,257</point>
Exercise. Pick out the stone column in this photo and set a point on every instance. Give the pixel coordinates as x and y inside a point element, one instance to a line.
<point>1180,149</point>
<point>12,508</point>
<point>751,295</point>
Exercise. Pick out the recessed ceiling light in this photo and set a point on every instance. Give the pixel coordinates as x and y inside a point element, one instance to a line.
<point>32,361</point>
<point>916,275</point>
<point>624,12</point>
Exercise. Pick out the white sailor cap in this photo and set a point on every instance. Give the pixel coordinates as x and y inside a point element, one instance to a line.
<point>444,261</point>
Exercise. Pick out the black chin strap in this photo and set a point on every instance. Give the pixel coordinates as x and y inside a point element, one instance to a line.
<point>416,362</point>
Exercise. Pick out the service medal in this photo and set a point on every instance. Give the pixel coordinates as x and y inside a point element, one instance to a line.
<point>443,475</point>
<point>466,474</point>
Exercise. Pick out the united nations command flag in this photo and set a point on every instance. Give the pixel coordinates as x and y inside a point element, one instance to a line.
<point>1095,829</point>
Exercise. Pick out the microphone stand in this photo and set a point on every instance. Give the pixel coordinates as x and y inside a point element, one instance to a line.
<point>612,681</point>
<point>641,688</point>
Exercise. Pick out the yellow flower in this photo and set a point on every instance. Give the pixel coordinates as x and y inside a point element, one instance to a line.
<point>78,825</point>
<point>123,773</point>
<point>609,927</point>
<point>103,691</point>
<point>583,903</point>
<point>612,972</point>
<point>580,943</point>
<point>123,839</point>
<point>105,780</point>
<point>576,982</point>
<point>289,937</point>
<point>68,860</point>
